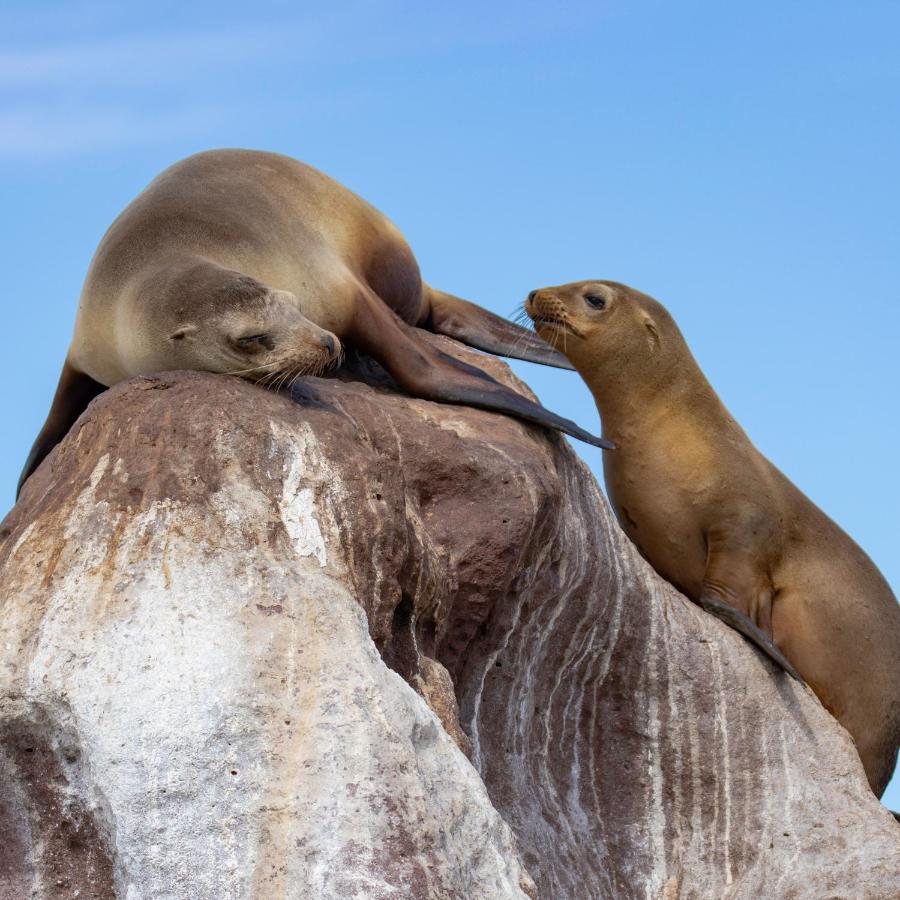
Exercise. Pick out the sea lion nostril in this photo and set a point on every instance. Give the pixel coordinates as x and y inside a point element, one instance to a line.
<point>328,343</point>
<point>531,296</point>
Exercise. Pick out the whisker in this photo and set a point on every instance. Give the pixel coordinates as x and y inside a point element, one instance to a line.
<point>293,374</point>
<point>251,369</point>
<point>520,316</point>
<point>269,379</point>
<point>298,371</point>
<point>285,374</point>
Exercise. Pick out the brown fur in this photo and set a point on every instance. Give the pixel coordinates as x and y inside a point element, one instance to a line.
<point>254,264</point>
<point>718,520</point>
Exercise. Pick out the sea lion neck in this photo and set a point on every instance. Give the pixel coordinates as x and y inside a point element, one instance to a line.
<point>633,390</point>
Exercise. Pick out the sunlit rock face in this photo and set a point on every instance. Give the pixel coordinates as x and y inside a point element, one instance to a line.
<point>351,644</point>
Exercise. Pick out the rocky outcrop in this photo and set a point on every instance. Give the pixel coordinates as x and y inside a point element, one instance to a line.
<point>351,644</point>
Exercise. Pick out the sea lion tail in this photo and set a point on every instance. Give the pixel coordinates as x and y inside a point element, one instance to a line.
<point>483,330</point>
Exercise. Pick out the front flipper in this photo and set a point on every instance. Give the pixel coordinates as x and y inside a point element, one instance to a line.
<point>739,622</point>
<point>427,373</point>
<point>483,330</point>
<point>73,393</point>
<point>733,576</point>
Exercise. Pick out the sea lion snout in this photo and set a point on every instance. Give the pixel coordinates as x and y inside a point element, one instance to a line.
<point>332,349</point>
<point>549,314</point>
<point>540,303</point>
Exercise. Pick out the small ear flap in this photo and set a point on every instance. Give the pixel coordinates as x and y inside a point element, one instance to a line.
<point>652,333</point>
<point>183,332</point>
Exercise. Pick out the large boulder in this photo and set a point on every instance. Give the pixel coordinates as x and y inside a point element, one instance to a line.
<point>346,643</point>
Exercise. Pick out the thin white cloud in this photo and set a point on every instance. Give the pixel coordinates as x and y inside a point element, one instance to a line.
<point>359,31</point>
<point>45,134</point>
<point>129,88</point>
<point>149,59</point>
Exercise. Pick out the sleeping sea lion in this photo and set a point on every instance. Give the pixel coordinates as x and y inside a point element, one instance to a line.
<point>715,518</point>
<point>254,264</point>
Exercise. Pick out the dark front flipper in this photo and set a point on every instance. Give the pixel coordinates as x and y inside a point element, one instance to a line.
<point>734,578</point>
<point>425,372</point>
<point>483,330</point>
<point>735,619</point>
<point>73,393</point>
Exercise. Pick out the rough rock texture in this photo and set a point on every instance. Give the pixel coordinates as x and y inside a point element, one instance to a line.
<point>235,628</point>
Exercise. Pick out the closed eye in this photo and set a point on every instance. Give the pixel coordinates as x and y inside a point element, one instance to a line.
<point>247,341</point>
<point>595,301</point>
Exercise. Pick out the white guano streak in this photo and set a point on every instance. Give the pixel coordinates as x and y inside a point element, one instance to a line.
<point>299,514</point>
<point>656,812</point>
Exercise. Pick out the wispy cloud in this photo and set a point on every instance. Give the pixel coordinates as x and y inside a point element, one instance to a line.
<point>67,96</point>
<point>148,59</point>
<point>121,91</point>
<point>348,32</point>
<point>45,133</point>
<point>126,89</point>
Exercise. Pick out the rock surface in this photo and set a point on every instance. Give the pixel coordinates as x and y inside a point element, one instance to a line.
<point>352,644</point>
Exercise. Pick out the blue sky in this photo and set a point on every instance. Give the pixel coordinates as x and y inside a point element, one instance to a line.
<point>737,161</point>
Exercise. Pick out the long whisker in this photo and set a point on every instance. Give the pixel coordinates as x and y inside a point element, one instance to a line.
<point>251,369</point>
<point>279,383</point>
<point>292,375</point>
<point>270,378</point>
<point>520,317</point>
<point>285,378</point>
<point>298,371</point>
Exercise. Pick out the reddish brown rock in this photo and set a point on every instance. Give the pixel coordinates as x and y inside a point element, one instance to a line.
<point>189,588</point>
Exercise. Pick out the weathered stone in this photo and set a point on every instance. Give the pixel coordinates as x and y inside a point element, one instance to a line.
<point>217,603</point>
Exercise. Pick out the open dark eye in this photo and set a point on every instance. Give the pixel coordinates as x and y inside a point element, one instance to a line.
<point>595,301</point>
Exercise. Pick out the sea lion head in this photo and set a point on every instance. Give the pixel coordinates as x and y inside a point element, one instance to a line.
<point>213,319</point>
<point>605,329</point>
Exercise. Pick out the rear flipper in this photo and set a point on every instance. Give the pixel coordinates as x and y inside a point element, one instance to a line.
<point>425,372</point>
<point>73,393</point>
<point>483,330</point>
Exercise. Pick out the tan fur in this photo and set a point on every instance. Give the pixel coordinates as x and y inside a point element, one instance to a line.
<point>717,519</point>
<point>253,264</point>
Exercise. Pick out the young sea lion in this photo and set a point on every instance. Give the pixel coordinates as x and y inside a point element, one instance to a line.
<point>254,264</point>
<point>715,518</point>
